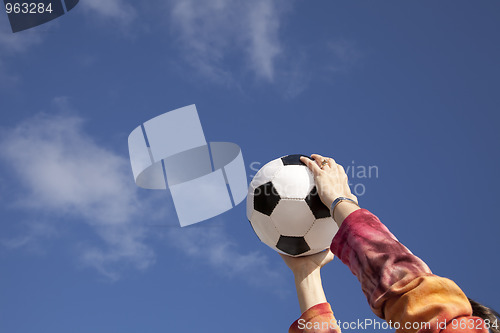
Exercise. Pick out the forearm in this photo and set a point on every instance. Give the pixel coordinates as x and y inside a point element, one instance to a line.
<point>398,285</point>
<point>317,315</point>
<point>375,256</point>
<point>309,289</point>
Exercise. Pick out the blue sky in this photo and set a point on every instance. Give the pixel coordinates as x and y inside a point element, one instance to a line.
<point>408,87</point>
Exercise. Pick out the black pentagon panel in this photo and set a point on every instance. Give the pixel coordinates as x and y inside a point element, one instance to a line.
<point>265,198</point>
<point>293,159</point>
<point>292,245</point>
<point>318,208</point>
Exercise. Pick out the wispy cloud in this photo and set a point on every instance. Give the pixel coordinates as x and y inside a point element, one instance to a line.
<point>30,238</point>
<point>214,247</point>
<point>224,40</point>
<point>12,44</point>
<point>117,10</point>
<point>214,34</point>
<point>62,172</point>
<point>264,46</point>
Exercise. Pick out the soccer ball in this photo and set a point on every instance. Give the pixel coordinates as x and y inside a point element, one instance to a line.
<point>285,211</point>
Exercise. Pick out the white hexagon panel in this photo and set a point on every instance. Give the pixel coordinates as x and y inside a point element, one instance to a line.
<point>292,217</point>
<point>299,188</point>
<point>321,234</point>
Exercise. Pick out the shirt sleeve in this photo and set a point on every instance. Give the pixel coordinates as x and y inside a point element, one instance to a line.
<point>399,286</point>
<point>317,319</point>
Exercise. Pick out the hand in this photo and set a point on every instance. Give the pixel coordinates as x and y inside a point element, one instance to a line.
<point>303,266</point>
<point>331,180</point>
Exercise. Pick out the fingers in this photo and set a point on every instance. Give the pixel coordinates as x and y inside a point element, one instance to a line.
<point>340,168</point>
<point>318,157</point>
<point>325,163</point>
<point>319,160</point>
<point>312,165</point>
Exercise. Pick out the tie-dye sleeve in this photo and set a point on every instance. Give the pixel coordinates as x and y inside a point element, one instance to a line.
<point>318,319</point>
<point>400,287</point>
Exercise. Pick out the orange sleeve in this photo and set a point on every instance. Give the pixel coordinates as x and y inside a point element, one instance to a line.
<point>317,319</point>
<point>430,304</point>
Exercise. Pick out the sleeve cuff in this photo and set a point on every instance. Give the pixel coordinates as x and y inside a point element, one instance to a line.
<point>320,314</point>
<point>342,234</point>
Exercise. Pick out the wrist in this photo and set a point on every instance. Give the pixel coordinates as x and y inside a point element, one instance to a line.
<point>343,210</point>
<point>305,273</point>
<point>333,197</point>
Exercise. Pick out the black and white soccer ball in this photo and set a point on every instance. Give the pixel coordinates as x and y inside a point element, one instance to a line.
<point>285,211</point>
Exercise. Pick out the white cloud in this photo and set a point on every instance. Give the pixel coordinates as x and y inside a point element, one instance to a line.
<point>64,175</point>
<point>64,168</point>
<point>211,32</point>
<point>63,172</point>
<point>264,43</point>
<point>125,244</point>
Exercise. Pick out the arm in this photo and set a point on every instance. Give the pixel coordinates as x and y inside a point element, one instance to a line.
<point>317,315</point>
<point>398,285</point>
